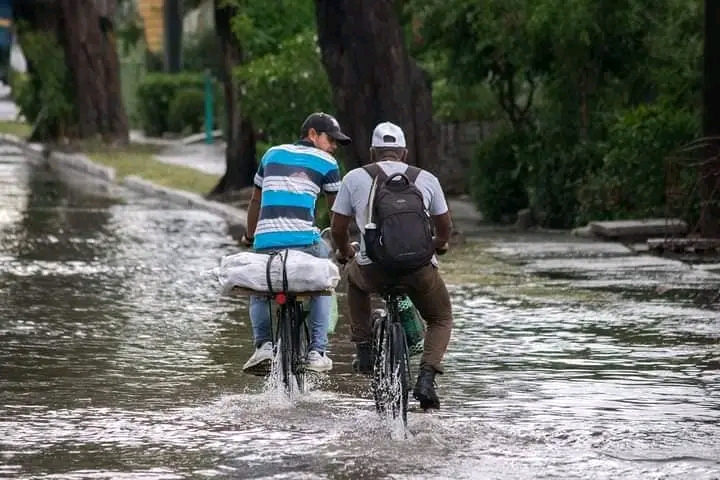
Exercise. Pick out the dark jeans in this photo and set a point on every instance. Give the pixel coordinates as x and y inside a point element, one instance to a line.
<point>428,293</point>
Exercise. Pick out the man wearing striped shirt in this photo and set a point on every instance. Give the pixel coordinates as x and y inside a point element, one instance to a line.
<point>281,215</point>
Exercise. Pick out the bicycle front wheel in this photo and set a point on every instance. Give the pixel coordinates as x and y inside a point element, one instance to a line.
<point>391,369</point>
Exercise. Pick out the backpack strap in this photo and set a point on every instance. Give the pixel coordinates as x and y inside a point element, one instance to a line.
<point>378,176</point>
<point>375,171</point>
<point>412,173</point>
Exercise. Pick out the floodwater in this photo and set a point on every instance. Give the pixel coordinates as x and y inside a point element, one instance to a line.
<point>119,360</point>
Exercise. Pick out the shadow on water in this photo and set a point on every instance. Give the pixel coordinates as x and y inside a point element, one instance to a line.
<point>120,360</point>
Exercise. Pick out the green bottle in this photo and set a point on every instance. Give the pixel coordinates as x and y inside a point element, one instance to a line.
<point>413,326</point>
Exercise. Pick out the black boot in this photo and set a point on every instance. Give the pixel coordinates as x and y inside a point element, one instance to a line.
<point>362,363</point>
<point>424,390</point>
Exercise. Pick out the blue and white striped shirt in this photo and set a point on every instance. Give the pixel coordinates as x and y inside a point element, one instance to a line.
<point>291,178</point>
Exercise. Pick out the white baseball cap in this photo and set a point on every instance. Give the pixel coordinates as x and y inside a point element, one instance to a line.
<point>388,134</point>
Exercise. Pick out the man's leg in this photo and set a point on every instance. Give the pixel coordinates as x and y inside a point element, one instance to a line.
<point>319,321</point>
<point>428,293</point>
<point>320,309</point>
<point>261,322</point>
<point>358,301</point>
<point>361,282</point>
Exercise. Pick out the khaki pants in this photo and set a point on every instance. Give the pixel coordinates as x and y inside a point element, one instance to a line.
<point>428,293</point>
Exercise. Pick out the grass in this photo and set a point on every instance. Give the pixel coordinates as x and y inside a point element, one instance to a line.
<point>139,160</point>
<point>20,129</point>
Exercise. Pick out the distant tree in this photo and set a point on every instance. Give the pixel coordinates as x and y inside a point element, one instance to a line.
<point>710,186</point>
<point>86,35</point>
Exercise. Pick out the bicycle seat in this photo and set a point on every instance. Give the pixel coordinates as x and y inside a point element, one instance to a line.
<point>393,291</point>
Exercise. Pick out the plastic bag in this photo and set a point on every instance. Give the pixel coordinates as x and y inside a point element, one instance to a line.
<point>305,272</point>
<point>334,314</point>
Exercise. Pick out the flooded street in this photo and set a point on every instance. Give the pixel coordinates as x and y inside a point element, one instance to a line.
<point>120,360</point>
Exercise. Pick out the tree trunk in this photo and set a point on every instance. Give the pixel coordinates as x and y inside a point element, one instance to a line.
<point>240,153</point>
<point>710,171</point>
<point>374,79</point>
<point>91,53</point>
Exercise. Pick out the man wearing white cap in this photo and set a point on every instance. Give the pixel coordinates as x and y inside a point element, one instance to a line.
<point>420,276</point>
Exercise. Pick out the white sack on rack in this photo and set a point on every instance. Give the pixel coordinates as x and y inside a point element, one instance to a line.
<point>305,272</point>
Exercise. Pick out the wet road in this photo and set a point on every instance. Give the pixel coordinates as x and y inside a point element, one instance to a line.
<point>119,360</point>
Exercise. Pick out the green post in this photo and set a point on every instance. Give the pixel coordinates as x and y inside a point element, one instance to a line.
<point>208,107</point>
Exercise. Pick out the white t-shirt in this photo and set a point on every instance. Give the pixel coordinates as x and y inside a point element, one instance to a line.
<point>352,199</point>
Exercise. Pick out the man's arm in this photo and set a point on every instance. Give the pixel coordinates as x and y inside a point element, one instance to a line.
<point>253,212</point>
<point>443,230</point>
<point>342,213</point>
<point>330,200</point>
<point>441,215</point>
<point>340,229</point>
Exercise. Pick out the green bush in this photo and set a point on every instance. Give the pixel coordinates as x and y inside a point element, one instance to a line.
<point>631,181</point>
<point>187,111</point>
<point>45,95</point>
<point>283,88</point>
<point>496,174</point>
<point>158,90</point>
<point>556,169</point>
<point>19,84</point>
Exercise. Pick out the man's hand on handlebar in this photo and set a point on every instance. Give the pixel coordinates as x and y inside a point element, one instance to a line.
<point>348,253</point>
<point>245,241</point>
<point>441,249</point>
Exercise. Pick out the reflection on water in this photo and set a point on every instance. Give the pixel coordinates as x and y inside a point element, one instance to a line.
<point>119,360</point>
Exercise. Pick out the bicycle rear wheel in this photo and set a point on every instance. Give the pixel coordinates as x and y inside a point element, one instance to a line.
<point>391,370</point>
<point>285,345</point>
<point>300,342</point>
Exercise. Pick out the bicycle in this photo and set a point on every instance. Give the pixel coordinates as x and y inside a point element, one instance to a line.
<point>391,359</point>
<point>390,383</point>
<point>391,377</point>
<point>290,331</point>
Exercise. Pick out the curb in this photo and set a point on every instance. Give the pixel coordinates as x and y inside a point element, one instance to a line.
<point>34,151</point>
<point>77,162</point>
<point>233,215</point>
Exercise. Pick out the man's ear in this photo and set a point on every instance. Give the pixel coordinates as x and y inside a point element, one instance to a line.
<point>404,155</point>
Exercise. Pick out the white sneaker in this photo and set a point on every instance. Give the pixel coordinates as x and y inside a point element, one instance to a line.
<point>261,360</point>
<point>318,362</point>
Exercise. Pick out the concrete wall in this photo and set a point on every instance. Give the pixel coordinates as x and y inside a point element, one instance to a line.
<point>456,146</point>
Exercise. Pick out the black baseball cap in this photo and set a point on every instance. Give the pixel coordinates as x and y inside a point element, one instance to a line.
<point>324,123</point>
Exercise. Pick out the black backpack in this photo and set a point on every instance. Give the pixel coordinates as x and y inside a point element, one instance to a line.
<point>402,240</point>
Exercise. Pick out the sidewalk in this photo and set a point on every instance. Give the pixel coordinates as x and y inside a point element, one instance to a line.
<point>205,158</point>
